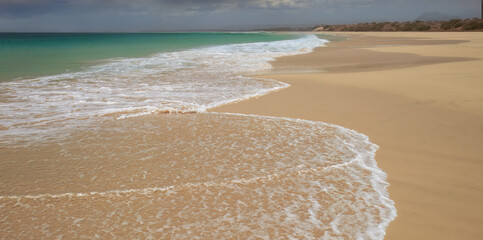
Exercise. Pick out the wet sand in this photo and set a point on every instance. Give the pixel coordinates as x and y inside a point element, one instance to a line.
<point>419,96</point>
<point>196,176</point>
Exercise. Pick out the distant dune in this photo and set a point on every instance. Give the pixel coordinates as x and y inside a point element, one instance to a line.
<point>474,24</point>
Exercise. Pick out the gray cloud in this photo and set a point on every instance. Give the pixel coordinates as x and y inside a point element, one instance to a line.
<point>25,8</point>
<point>141,15</point>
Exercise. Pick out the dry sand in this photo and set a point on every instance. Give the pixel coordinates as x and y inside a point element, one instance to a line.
<point>419,96</point>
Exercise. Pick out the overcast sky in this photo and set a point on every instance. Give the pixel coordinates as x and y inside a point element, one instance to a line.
<point>178,15</point>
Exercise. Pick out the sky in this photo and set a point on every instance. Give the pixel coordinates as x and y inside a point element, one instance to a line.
<point>183,15</point>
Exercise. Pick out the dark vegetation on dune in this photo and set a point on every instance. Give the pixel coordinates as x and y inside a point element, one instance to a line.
<point>474,24</point>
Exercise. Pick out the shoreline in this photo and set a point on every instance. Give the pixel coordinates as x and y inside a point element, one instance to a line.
<point>417,96</point>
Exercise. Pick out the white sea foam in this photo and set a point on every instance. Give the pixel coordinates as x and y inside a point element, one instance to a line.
<point>317,181</point>
<point>185,81</point>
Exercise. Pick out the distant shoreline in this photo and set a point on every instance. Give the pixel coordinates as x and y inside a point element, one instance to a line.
<point>454,25</point>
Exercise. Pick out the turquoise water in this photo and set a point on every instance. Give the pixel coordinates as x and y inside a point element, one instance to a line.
<point>26,55</point>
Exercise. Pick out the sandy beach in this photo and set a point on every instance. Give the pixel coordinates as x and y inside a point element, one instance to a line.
<point>419,96</point>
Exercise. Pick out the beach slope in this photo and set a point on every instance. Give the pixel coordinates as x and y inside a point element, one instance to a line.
<point>419,96</point>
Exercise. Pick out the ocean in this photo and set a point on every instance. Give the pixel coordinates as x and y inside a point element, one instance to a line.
<point>110,135</point>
